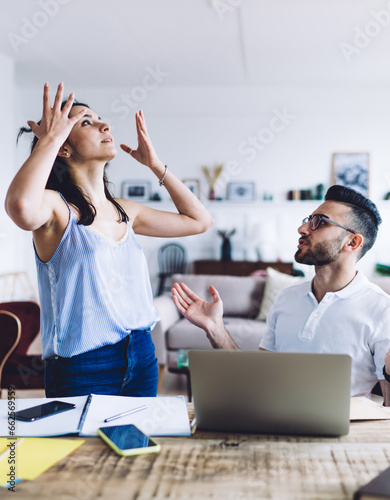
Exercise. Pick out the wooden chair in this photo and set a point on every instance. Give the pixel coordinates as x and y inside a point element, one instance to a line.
<point>10,332</point>
<point>22,370</point>
<point>172,259</point>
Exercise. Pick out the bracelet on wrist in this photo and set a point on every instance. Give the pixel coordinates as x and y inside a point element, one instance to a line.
<point>161,183</point>
<point>385,374</point>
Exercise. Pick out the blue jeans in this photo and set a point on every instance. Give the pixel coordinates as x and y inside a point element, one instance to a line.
<point>128,368</point>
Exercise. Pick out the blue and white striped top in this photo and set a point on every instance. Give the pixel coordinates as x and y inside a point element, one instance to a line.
<point>93,291</point>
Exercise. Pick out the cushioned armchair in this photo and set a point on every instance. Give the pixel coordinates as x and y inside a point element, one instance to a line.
<point>22,370</point>
<point>10,330</point>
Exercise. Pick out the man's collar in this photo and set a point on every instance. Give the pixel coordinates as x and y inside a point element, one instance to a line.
<point>358,283</point>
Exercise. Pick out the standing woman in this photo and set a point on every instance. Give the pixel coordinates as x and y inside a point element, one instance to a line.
<point>96,299</point>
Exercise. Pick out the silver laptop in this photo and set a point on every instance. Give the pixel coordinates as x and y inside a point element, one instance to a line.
<point>270,392</point>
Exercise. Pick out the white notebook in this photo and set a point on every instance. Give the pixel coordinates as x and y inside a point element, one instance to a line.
<point>164,416</point>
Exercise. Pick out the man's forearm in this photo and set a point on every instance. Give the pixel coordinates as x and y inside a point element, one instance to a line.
<point>385,384</point>
<point>220,338</point>
<point>385,387</point>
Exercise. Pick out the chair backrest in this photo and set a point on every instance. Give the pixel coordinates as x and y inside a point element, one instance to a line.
<point>29,316</point>
<point>172,258</point>
<point>10,332</point>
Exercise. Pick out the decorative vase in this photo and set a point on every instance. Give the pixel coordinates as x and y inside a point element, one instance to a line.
<point>226,250</point>
<point>211,194</point>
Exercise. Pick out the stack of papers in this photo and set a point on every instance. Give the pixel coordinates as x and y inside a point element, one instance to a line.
<point>362,408</point>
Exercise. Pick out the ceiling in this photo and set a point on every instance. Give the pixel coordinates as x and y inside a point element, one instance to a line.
<point>95,43</point>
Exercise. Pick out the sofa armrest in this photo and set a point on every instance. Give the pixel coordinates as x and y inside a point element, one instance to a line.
<point>169,314</point>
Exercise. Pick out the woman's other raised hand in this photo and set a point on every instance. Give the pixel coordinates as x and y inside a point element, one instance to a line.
<point>145,152</point>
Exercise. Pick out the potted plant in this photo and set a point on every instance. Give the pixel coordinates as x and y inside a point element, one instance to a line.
<point>226,248</point>
<point>212,175</point>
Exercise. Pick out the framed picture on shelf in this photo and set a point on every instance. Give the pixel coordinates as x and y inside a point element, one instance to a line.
<point>351,170</point>
<point>193,185</point>
<point>240,191</point>
<point>136,190</point>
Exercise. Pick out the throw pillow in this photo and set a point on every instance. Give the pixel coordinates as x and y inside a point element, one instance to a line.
<point>275,283</point>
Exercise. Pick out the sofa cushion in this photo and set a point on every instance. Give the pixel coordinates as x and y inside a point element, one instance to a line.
<point>241,295</point>
<point>275,283</point>
<point>246,333</point>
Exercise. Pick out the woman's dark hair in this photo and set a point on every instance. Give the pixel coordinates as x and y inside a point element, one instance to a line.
<point>61,181</point>
<point>364,217</point>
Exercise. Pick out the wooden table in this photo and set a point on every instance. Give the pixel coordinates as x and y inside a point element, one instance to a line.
<point>220,466</point>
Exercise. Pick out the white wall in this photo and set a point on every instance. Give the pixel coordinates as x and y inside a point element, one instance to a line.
<point>195,126</point>
<point>9,241</point>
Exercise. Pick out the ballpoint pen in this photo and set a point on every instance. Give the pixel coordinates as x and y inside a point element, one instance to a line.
<point>120,415</point>
<point>193,426</point>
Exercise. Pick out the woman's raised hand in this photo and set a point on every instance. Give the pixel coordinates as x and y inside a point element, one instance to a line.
<point>55,121</point>
<point>145,152</point>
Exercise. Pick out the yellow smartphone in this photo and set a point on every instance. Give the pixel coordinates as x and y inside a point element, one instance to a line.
<point>128,440</point>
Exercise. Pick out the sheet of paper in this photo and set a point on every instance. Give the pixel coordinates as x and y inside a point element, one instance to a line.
<point>54,425</point>
<point>33,456</point>
<point>164,416</point>
<point>365,409</point>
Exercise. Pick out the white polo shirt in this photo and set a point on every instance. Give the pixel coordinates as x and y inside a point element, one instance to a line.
<point>354,321</point>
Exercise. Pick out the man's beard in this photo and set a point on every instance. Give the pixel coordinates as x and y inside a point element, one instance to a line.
<point>321,254</point>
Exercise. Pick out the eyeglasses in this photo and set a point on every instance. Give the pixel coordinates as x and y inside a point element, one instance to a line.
<point>315,221</point>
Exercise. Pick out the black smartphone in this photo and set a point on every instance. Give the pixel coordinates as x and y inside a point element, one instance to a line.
<point>128,440</point>
<point>42,411</point>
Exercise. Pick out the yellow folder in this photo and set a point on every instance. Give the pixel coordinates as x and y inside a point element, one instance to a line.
<point>27,458</point>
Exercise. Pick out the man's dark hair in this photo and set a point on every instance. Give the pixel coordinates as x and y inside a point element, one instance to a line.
<point>60,180</point>
<point>364,217</point>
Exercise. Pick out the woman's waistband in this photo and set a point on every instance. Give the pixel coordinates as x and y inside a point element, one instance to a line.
<point>118,346</point>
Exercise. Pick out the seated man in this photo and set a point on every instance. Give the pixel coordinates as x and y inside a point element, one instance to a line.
<point>339,311</point>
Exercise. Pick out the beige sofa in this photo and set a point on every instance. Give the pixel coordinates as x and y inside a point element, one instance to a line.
<point>243,299</point>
